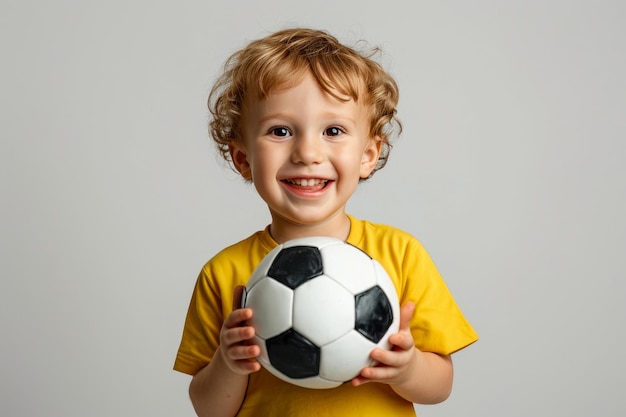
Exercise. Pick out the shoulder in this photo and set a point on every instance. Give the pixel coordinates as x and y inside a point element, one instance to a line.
<point>367,233</point>
<point>239,259</point>
<point>397,250</point>
<point>258,242</point>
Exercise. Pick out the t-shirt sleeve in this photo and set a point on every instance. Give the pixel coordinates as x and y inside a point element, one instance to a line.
<point>438,324</point>
<point>200,337</point>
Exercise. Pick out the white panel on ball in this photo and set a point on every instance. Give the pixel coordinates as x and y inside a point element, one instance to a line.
<point>339,364</point>
<point>323,310</point>
<point>270,317</point>
<point>350,266</point>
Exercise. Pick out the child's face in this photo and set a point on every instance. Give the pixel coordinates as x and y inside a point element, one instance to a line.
<point>305,151</point>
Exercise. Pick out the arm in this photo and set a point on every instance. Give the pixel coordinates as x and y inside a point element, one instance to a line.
<point>219,388</point>
<point>419,377</point>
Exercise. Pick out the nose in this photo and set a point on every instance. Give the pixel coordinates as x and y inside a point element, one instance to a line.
<point>308,149</point>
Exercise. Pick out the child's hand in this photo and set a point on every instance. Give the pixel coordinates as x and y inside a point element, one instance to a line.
<point>236,345</point>
<point>394,366</point>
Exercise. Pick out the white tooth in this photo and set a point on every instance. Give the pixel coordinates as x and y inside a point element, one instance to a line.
<point>304,182</point>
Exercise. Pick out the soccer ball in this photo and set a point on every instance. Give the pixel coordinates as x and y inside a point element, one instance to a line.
<point>320,306</point>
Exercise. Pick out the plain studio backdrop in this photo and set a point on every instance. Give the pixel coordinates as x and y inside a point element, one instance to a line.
<point>511,170</point>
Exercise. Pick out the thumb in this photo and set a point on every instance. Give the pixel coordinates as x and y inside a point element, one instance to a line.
<point>237,296</point>
<point>406,314</point>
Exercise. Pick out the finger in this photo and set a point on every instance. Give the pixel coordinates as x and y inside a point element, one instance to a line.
<point>391,358</point>
<point>248,366</point>
<point>243,352</point>
<point>359,380</point>
<point>377,374</point>
<point>238,317</point>
<point>240,359</point>
<point>237,335</point>
<point>403,340</point>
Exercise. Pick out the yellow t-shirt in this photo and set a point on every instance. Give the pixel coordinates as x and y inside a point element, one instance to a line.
<point>438,325</point>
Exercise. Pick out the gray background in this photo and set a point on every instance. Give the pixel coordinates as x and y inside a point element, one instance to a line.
<point>511,171</point>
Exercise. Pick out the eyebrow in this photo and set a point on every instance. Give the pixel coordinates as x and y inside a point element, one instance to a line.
<point>325,116</point>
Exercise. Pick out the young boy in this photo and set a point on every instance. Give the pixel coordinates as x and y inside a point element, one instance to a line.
<point>306,118</point>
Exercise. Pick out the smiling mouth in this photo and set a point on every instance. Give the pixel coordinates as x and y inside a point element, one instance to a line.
<point>311,184</point>
<point>307,182</point>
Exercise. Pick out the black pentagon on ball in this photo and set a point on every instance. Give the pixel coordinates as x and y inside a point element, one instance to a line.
<point>373,314</point>
<point>295,265</point>
<point>293,355</point>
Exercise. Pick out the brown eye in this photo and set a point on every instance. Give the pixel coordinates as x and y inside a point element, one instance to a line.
<point>280,131</point>
<point>333,131</point>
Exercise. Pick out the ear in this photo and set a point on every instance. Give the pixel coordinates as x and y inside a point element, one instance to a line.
<point>240,160</point>
<point>370,156</point>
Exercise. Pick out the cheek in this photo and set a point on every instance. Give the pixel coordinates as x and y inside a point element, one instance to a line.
<point>266,160</point>
<point>349,163</point>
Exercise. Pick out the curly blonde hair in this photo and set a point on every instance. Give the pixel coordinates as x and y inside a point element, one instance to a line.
<point>281,60</point>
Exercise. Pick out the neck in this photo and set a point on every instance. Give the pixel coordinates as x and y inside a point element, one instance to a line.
<point>282,230</point>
